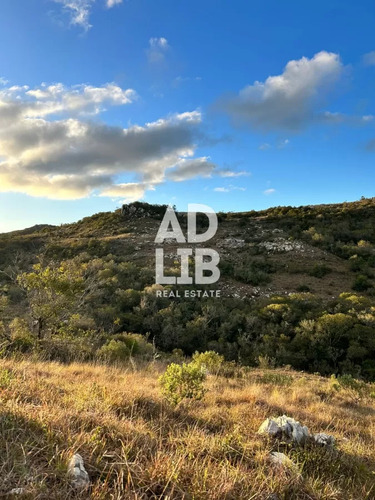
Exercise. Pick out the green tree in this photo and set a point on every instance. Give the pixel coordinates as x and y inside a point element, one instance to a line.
<point>54,292</point>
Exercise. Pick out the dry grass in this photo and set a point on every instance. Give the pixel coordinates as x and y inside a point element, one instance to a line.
<point>135,446</point>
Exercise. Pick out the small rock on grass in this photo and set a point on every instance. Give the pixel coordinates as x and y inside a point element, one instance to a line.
<point>77,472</point>
<point>324,439</point>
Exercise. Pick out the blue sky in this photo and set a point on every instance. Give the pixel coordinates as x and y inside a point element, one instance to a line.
<point>239,105</point>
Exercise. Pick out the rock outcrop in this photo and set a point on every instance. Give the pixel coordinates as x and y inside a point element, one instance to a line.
<point>287,429</point>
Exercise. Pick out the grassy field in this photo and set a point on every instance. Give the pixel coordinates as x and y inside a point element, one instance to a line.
<point>136,446</point>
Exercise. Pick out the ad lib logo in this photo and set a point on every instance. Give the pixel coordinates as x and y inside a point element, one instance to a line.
<point>206,259</point>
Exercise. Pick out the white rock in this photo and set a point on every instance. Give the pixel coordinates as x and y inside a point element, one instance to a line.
<point>285,427</point>
<point>324,439</point>
<point>282,460</point>
<point>17,491</point>
<point>279,458</point>
<point>270,427</point>
<point>77,472</point>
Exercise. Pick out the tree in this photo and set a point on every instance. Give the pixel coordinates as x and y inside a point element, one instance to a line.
<point>56,291</point>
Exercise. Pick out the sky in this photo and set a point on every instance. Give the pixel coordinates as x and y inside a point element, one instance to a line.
<point>238,105</point>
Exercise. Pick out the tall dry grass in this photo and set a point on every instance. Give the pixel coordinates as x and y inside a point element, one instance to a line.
<point>136,446</point>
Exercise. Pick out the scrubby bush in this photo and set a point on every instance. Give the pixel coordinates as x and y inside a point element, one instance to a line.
<point>20,336</point>
<point>320,270</point>
<point>182,382</point>
<point>114,351</point>
<point>281,379</point>
<point>209,361</point>
<point>356,389</point>
<point>124,345</point>
<point>361,283</point>
<point>136,344</point>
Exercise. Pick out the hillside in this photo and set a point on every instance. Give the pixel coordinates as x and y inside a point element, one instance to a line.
<point>136,446</point>
<point>84,338</point>
<point>322,247</point>
<point>297,287</point>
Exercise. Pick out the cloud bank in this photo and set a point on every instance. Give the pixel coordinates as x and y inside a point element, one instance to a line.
<point>50,149</point>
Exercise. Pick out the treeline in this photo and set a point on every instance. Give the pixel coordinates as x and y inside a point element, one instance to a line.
<point>85,305</point>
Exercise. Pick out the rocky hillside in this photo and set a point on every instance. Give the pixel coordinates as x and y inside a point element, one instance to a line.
<point>322,249</point>
<point>297,286</point>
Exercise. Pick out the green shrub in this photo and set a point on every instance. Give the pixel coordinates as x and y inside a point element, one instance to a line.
<point>319,271</point>
<point>20,335</point>
<point>6,377</point>
<point>209,361</point>
<point>124,345</point>
<point>303,288</point>
<point>280,379</point>
<point>356,389</point>
<point>361,283</point>
<point>114,351</point>
<point>66,350</point>
<point>182,382</point>
<point>136,344</point>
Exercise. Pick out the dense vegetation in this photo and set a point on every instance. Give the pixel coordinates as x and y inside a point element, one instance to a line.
<point>70,292</point>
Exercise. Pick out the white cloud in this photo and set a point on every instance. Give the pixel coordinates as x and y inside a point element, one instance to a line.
<point>265,146</point>
<point>79,11</point>
<point>128,192</point>
<point>46,100</point>
<point>269,191</point>
<point>369,59</point>
<point>3,81</point>
<point>290,100</point>
<point>158,47</point>
<point>228,189</point>
<point>226,172</point>
<point>48,150</point>
<point>112,3</point>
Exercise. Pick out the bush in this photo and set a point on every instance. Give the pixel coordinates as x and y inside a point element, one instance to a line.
<point>182,382</point>
<point>356,389</point>
<point>20,335</point>
<point>114,351</point>
<point>361,283</point>
<point>280,379</point>
<point>320,270</point>
<point>124,345</point>
<point>66,350</point>
<point>137,344</point>
<point>209,361</point>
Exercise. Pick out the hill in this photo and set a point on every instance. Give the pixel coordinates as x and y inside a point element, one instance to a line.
<point>297,287</point>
